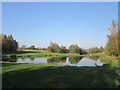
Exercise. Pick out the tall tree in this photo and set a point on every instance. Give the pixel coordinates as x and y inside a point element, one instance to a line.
<point>54,47</point>
<point>75,49</point>
<point>9,44</point>
<point>112,47</point>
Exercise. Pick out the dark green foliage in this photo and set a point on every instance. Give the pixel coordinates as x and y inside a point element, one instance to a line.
<point>93,57</point>
<point>76,49</point>
<point>54,47</point>
<point>95,50</point>
<point>74,60</point>
<point>32,47</point>
<point>57,60</point>
<point>64,49</point>
<point>8,44</point>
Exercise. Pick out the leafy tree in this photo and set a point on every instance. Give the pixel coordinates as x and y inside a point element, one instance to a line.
<point>119,42</point>
<point>54,47</point>
<point>23,47</point>
<point>95,50</point>
<point>112,47</point>
<point>64,49</point>
<point>75,49</point>
<point>8,44</point>
<point>32,47</point>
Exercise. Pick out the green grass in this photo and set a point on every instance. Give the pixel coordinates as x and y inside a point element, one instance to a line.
<point>106,59</point>
<point>36,53</point>
<point>19,75</point>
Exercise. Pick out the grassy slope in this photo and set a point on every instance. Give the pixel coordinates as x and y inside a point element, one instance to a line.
<point>37,53</point>
<point>112,60</point>
<point>18,75</point>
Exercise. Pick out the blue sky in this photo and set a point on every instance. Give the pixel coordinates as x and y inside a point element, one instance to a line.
<point>66,23</point>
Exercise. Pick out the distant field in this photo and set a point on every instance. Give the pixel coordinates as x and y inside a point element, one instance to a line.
<point>36,53</point>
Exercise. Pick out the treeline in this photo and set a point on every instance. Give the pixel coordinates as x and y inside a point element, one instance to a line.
<point>8,43</point>
<point>112,47</point>
<point>55,48</point>
<point>95,50</point>
<point>23,47</point>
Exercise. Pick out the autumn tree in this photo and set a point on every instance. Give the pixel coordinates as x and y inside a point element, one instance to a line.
<point>63,49</point>
<point>0,43</point>
<point>112,47</point>
<point>119,41</point>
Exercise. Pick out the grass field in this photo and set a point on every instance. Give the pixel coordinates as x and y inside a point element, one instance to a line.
<point>36,53</point>
<point>41,75</point>
<point>17,75</point>
<point>114,61</point>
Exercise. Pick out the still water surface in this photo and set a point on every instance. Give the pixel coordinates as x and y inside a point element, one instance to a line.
<point>72,61</point>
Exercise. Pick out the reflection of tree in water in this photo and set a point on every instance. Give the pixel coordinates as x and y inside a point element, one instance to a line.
<point>23,59</point>
<point>74,60</point>
<point>32,59</point>
<point>63,59</point>
<point>93,57</point>
<point>57,59</point>
<point>53,59</point>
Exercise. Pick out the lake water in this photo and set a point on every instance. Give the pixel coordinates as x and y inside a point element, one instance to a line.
<point>71,61</point>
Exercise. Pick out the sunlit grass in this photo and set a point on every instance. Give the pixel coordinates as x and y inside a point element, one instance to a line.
<point>22,75</point>
<point>36,53</point>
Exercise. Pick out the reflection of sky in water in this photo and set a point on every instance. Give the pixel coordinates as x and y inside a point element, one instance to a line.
<point>67,61</point>
<point>35,60</point>
<point>83,62</point>
<point>89,62</point>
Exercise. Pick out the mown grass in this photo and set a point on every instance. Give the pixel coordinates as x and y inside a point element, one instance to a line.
<point>114,61</point>
<point>35,53</point>
<point>19,75</point>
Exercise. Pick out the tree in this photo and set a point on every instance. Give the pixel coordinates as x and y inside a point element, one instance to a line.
<point>75,49</point>
<point>112,47</point>
<point>63,49</point>
<point>54,47</point>
<point>32,47</point>
<point>23,47</point>
<point>119,42</point>
<point>8,44</point>
<point>95,50</point>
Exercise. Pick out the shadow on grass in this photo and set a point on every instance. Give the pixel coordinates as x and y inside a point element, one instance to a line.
<point>23,52</point>
<point>61,77</point>
<point>10,64</point>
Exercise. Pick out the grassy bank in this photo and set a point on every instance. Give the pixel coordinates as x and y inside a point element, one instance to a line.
<point>18,75</point>
<point>35,53</point>
<point>109,60</point>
